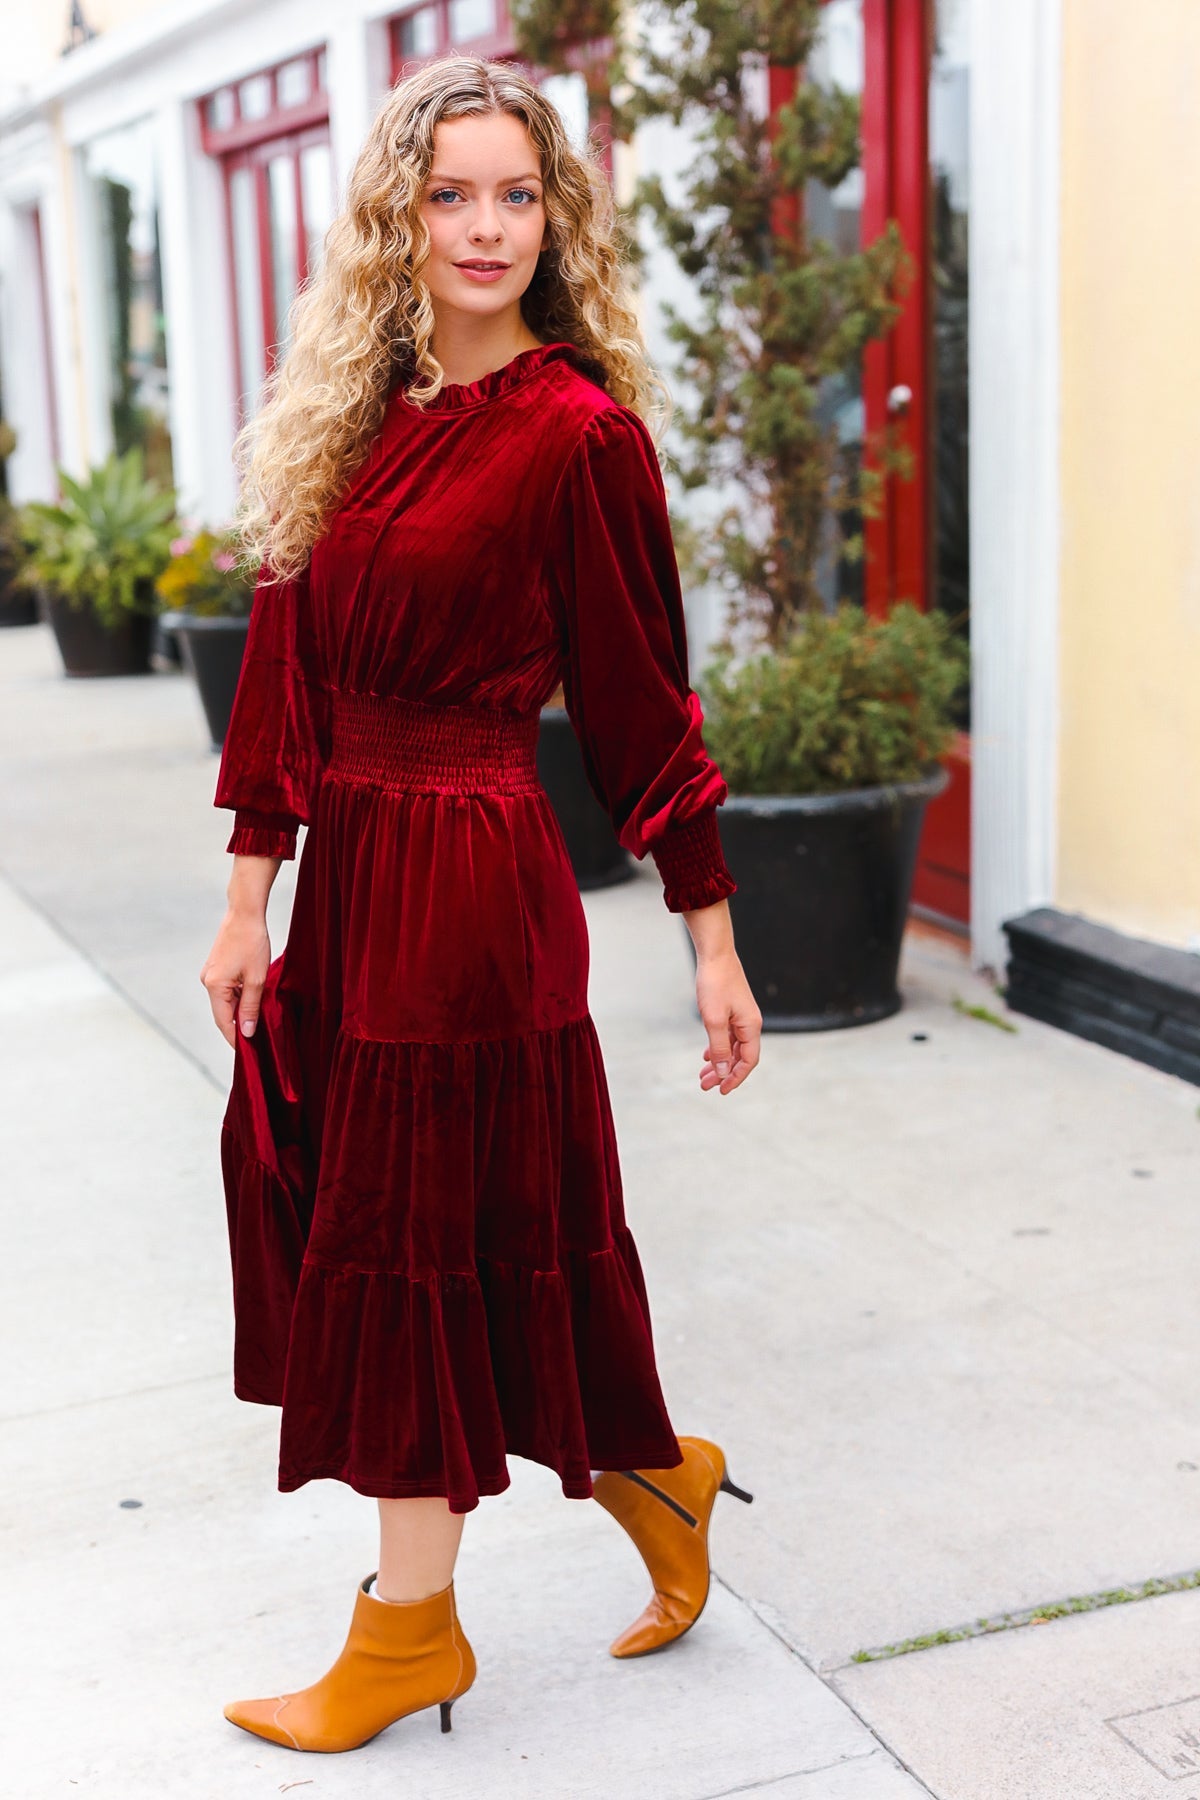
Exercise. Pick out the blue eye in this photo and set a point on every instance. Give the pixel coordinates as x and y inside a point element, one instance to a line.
<point>528,192</point>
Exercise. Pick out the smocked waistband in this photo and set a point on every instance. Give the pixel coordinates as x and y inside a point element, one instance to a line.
<point>415,747</point>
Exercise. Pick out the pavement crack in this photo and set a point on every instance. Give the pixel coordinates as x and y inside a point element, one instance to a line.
<point>760,1787</point>
<point>159,1387</point>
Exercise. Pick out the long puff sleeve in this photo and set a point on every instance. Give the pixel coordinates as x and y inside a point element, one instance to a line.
<point>275,746</point>
<point>613,574</point>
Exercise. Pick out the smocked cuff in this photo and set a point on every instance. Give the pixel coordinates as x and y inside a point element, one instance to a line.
<point>263,834</point>
<point>692,864</point>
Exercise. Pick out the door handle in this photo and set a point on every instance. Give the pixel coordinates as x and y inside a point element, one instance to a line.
<point>899,399</point>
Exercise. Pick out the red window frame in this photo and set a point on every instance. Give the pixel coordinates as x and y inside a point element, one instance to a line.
<point>278,119</point>
<point>251,144</point>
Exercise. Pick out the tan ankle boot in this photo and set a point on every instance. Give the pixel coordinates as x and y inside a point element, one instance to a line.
<point>666,1513</point>
<point>397,1659</point>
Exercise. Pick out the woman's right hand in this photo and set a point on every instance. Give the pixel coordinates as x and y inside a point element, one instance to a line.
<point>236,970</point>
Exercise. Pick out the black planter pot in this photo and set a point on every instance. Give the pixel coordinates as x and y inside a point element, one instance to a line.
<point>164,646</point>
<point>824,883</point>
<point>596,857</point>
<point>89,648</point>
<point>18,606</point>
<point>211,650</point>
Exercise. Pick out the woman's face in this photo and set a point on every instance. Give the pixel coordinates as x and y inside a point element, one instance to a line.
<point>483,205</point>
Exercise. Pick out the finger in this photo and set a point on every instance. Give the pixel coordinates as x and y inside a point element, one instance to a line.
<point>222,998</point>
<point>249,1007</point>
<point>719,1045</point>
<point>747,1041</point>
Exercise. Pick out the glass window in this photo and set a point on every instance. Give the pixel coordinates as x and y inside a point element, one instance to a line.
<point>471,19</point>
<point>418,32</point>
<point>316,199</point>
<point>839,61</point>
<point>293,82</point>
<point>281,215</point>
<point>321,70</point>
<point>221,110</point>
<point>120,173</point>
<point>569,96</point>
<point>835,214</point>
<point>247,286</point>
<point>254,96</point>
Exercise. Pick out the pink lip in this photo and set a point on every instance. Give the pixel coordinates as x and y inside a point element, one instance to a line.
<point>483,271</point>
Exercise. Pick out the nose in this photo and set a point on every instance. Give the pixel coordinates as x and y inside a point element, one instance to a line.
<point>485,226</point>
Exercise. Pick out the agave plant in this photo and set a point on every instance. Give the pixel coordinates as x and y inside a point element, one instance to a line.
<point>105,543</point>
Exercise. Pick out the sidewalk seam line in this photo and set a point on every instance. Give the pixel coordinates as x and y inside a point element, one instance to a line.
<point>842,1699</point>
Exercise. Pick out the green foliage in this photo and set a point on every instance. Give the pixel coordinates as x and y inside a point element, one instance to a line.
<point>848,702</point>
<point>1036,1615</point>
<point>984,1013</point>
<point>206,577</point>
<point>106,543</point>
<point>784,315</point>
<point>561,35</point>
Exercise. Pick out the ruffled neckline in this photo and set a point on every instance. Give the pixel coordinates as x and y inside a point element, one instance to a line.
<point>456,395</point>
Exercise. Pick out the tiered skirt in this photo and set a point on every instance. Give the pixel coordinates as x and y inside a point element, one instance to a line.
<point>431,1263</point>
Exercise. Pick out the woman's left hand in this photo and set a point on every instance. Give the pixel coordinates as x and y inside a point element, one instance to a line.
<point>731,1018</point>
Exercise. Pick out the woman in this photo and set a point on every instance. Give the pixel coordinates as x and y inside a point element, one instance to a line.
<point>457,505</point>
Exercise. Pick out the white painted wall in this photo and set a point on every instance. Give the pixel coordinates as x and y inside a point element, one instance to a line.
<point>1016,69</point>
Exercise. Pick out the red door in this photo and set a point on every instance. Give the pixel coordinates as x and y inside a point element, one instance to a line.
<point>908,62</point>
<point>915,98</point>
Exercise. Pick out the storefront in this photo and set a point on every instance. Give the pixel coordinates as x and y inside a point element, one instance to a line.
<point>166,186</point>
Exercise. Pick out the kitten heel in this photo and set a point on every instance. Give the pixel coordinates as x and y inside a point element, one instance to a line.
<point>730,1487</point>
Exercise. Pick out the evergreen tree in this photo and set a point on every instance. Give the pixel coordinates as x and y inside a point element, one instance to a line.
<point>782,313</point>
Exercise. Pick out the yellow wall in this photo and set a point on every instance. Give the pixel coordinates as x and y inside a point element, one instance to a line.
<point>1129,794</point>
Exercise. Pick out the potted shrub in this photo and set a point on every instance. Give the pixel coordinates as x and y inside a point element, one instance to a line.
<point>829,744</point>
<point>208,592</point>
<point>95,557</point>
<point>17,604</point>
<point>826,721</point>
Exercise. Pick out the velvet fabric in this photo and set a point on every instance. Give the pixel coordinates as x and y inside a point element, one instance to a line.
<point>431,1263</point>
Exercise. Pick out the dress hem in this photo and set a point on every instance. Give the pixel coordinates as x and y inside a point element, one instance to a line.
<point>574,1488</point>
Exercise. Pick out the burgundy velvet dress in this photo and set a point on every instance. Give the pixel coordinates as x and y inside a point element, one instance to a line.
<point>431,1264</point>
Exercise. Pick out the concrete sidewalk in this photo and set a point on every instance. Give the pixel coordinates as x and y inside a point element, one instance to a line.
<point>931,1282</point>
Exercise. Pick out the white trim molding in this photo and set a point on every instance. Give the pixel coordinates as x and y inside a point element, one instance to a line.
<point>1016,79</point>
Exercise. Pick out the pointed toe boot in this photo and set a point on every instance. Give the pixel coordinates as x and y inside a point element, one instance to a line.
<point>397,1659</point>
<point>666,1513</point>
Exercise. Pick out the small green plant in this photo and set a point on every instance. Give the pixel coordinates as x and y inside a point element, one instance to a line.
<point>983,1013</point>
<point>106,542</point>
<point>848,702</point>
<point>205,576</point>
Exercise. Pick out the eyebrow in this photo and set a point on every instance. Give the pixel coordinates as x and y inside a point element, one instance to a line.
<point>460,181</point>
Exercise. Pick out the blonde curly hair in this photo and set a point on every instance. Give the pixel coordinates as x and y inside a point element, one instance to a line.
<point>366,317</point>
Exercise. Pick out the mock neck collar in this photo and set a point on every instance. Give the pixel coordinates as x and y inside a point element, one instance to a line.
<point>455,395</point>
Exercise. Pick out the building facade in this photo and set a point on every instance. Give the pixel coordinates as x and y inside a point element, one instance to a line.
<point>165,184</point>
